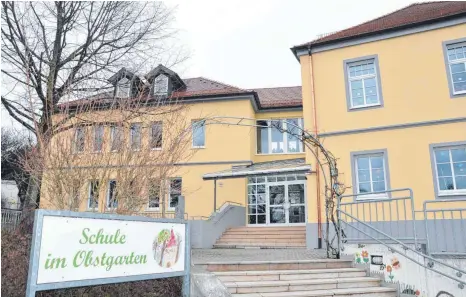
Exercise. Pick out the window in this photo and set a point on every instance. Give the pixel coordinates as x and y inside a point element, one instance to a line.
<point>123,88</point>
<point>135,136</point>
<point>154,195</point>
<point>116,137</point>
<point>156,132</point>
<point>272,138</point>
<point>161,85</point>
<point>370,174</point>
<point>199,134</point>
<point>112,201</point>
<point>257,202</point>
<point>174,192</point>
<point>455,59</point>
<point>363,83</point>
<point>98,138</point>
<point>79,139</point>
<point>450,169</point>
<point>93,199</point>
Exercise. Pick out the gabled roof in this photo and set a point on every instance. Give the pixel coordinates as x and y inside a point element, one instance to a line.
<point>201,87</point>
<point>179,84</point>
<point>280,97</point>
<point>409,16</point>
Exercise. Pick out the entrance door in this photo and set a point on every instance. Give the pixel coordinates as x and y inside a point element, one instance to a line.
<point>277,214</point>
<point>297,209</point>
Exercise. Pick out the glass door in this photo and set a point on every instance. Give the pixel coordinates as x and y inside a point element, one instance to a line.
<point>277,214</point>
<point>297,208</point>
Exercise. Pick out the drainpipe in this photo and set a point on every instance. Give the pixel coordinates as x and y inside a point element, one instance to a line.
<point>314,111</point>
<point>215,195</point>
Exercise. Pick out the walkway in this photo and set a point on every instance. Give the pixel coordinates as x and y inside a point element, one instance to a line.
<point>231,255</point>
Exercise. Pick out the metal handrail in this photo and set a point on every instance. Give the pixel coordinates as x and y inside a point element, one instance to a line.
<point>405,247</point>
<point>228,202</point>
<point>390,201</point>
<point>443,210</point>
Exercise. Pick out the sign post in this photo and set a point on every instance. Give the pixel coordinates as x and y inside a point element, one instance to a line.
<point>76,249</point>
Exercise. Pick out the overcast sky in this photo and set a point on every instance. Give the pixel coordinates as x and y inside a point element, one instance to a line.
<point>247,43</point>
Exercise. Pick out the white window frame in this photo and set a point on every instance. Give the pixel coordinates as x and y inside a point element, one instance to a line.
<point>114,129</point>
<point>449,63</point>
<point>362,196</point>
<point>285,136</point>
<point>75,144</point>
<point>161,91</point>
<point>193,126</point>
<point>89,195</point>
<point>362,78</point>
<point>148,197</point>
<point>151,135</point>
<point>118,87</point>
<point>447,192</point>
<point>131,136</point>
<point>107,200</point>
<point>96,127</point>
<point>169,198</point>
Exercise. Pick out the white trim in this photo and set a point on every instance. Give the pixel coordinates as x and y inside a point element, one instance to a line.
<point>107,200</point>
<point>362,78</point>
<point>131,136</point>
<point>169,192</point>
<point>284,122</point>
<point>450,162</point>
<point>371,181</point>
<point>89,194</point>
<point>268,184</point>
<point>258,172</point>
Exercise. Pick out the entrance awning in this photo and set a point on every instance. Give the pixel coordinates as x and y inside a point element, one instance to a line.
<point>263,168</point>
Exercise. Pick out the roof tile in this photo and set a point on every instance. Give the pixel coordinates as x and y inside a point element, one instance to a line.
<point>410,15</point>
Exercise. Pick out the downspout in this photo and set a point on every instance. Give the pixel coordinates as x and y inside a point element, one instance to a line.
<point>314,111</point>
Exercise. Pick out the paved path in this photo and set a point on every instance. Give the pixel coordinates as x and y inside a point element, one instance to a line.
<point>218,255</point>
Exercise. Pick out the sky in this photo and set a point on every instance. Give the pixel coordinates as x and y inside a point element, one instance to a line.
<point>247,43</point>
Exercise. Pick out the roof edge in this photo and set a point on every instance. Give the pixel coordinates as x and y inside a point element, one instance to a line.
<point>309,46</point>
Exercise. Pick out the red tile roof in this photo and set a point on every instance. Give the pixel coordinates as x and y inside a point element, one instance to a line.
<point>280,97</point>
<point>414,14</point>
<point>284,97</point>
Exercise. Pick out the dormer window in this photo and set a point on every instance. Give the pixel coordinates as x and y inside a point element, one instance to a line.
<point>123,88</point>
<point>161,85</point>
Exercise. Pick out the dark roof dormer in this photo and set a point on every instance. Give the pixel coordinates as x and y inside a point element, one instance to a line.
<point>164,81</point>
<point>126,83</point>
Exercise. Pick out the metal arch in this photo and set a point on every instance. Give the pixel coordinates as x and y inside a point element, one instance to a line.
<point>333,188</point>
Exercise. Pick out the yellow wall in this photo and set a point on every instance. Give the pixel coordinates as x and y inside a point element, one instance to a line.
<point>223,143</point>
<point>414,87</point>
<point>410,66</point>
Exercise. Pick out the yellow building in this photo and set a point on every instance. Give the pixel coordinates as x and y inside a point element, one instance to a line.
<point>388,99</point>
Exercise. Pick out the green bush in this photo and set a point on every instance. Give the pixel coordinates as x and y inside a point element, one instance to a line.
<point>15,264</point>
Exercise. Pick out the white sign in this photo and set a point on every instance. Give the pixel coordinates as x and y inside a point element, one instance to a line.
<point>76,249</point>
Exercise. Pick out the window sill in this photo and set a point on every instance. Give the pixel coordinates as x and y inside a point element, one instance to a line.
<point>198,147</point>
<point>372,197</point>
<point>379,105</point>
<point>154,209</point>
<point>279,154</point>
<point>452,194</point>
<point>156,149</point>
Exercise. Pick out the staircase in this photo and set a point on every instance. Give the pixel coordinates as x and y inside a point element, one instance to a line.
<point>293,278</point>
<point>263,237</point>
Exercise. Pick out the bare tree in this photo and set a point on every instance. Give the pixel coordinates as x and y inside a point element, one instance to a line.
<point>55,52</point>
<point>126,157</point>
<point>15,145</point>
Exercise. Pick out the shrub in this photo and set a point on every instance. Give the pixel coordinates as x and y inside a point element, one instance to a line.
<point>15,264</point>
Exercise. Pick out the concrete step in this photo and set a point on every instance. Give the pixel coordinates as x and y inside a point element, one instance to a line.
<point>258,245</point>
<point>353,292</point>
<point>275,275</point>
<point>272,228</point>
<point>267,266</point>
<point>253,239</point>
<point>266,236</point>
<point>301,285</point>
